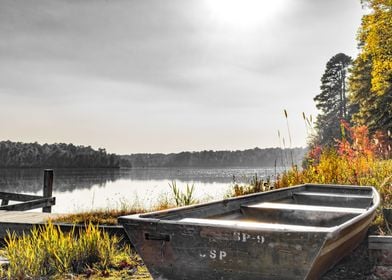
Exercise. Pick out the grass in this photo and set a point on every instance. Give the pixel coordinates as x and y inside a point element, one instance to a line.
<point>255,185</point>
<point>49,253</point>
<point>109,216</point>
<point>183,198</point>
<point>102,216</point>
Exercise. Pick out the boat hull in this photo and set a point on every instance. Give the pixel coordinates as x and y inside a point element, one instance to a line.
<point>217,241</point>
<point>193,252</point>
<point>336,249</point>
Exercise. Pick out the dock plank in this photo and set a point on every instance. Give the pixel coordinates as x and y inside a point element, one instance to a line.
<point>19,221</point>
<point>19,217</point>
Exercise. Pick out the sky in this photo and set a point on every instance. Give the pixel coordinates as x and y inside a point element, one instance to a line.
<point>136,76</point>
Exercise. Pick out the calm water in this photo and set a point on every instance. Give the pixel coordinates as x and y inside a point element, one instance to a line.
<point>79,190</point>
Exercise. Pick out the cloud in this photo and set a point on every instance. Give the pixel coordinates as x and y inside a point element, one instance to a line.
<point>166,66</point>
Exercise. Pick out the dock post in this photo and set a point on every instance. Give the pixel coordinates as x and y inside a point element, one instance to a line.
<point>48,188</point>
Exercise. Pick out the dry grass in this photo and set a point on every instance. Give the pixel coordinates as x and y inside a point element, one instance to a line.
<point>102,217</point>
<point>335,169</point>
<point>255,185</point>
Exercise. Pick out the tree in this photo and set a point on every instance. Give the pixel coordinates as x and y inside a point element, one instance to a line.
<point>375,38</point>
<point>332,101</point>
<point>370,84</point>
<point>16,154</point>
<point>369,108</point>
<point>362,101</point>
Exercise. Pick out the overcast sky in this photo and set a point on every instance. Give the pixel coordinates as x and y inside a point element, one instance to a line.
<point>166,75</point>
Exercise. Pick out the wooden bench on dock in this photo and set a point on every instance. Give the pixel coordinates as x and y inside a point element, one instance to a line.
<point>12,216</point>
<point>29,202</point>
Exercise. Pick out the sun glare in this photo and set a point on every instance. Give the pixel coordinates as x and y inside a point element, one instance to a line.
<point>244,13</point>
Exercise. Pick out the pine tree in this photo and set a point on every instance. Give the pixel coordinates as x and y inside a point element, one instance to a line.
<point>332,101</point>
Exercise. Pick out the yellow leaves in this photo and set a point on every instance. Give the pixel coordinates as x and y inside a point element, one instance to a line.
<point>376,39</point>
<point>332,168</point>
<point>381,71</point>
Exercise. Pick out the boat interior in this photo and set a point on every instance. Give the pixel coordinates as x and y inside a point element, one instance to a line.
<point>314,207</point>
<point>300,207</point>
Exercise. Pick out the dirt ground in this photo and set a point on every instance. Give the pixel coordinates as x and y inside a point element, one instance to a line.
<point>358,265</point>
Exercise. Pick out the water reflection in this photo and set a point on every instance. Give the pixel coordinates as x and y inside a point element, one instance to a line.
<point>31,180</point>
<point>86,189</point>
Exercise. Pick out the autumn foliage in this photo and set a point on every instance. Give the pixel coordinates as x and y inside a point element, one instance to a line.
<point>356,159</point>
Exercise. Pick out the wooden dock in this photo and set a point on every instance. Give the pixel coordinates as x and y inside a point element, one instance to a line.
<point>20,217</point>
<point>19,221</point>
<point>14,218</point>
<point>27,201</point>
<point>22,222</point>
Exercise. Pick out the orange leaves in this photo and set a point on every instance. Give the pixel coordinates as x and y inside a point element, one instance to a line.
<point>359,144</point>
<point>314,154</point>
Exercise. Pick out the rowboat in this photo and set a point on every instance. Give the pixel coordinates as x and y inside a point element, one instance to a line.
<point>293,233</point>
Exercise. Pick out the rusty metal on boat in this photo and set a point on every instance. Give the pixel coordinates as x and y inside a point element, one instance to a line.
<point>293,233</point>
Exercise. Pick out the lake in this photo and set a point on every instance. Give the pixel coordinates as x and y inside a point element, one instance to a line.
<point>78,190</point>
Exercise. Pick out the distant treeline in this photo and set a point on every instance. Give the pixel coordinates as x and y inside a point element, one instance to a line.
<point>17,154</point>
<point>34,155</point>
<point>248,158</point>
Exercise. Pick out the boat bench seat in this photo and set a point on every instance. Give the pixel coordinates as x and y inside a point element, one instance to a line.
<point>299,214</point>
<point>326,194</point>
<point>252,225</point>
<point>301,207</point>
<point>333,199</point>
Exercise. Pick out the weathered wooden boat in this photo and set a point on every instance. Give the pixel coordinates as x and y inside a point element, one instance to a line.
<point>293,233</point>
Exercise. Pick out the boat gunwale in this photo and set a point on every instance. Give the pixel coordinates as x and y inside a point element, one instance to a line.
<point>369,211</point>
<point>253,226</point>
<point>333,232</point>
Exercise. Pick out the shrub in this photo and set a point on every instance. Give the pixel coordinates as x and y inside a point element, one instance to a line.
<point>354,161</point>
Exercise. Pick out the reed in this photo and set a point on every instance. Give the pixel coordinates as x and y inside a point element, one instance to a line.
<point>183,198</point>
<point>289,133</point>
